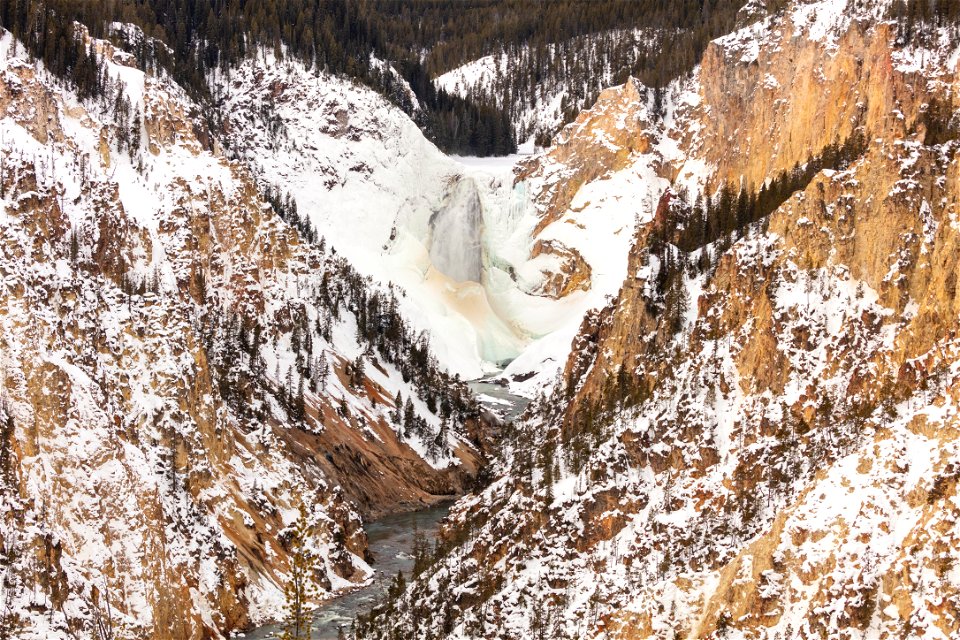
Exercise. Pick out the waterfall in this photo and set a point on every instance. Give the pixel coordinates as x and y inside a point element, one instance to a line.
<point>455,247</point>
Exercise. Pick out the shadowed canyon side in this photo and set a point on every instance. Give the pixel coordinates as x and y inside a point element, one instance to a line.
<point>757,437</point>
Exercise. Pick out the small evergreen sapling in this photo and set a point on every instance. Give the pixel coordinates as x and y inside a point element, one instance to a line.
<point>301,588</point>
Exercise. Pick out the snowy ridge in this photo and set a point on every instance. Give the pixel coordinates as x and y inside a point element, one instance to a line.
<point>555,100</point>
<point>614,156</point>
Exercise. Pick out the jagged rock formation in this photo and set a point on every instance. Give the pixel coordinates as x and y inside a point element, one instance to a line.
<point>757,437</point>
<point>180,372</point>
<point>584,198</point>
<point>600,142</point>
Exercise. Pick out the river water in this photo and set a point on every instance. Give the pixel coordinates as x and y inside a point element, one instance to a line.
<point>391,541</point>
<point>391,538</point>
<point>497,398</point>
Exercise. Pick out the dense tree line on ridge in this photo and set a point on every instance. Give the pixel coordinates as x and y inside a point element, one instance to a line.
<point>190,38</point>
<point>577,47</point>
<point>580,46</point>
<point>727,213</point>
<point>453,32</point>
<point>918,20</point>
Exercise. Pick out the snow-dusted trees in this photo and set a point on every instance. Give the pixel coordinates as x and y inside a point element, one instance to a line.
<point>725,215</point>
<point>357,372</point>
<point>570,44</point>
<point>286,207</point>
<point>302,337</point>
<point>48,34</point>
<point>564,48</point>
<point>6,444</point>
<point>918,20</point>
<point>321,371</point>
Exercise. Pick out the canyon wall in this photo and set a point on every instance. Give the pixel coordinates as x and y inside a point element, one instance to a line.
<point>757,437</point>
<point>181,373</point>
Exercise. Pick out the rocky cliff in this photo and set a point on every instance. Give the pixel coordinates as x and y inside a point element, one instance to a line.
<point>757,437</point>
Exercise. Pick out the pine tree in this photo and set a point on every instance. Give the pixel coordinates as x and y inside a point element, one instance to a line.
<point>357,372</point>
<point>397,415</point>
<point>301,587</point>
<point>409,419</point>
<point>7,427</point>
<point>299,408</point>
<point>548,479</point>
<point>421,551</point>
<point>323,369</point>
<point>74,246</point>
<point>443,434</point>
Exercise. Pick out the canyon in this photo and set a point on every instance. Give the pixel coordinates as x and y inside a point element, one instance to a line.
<point>756,437</point>
<point>690,371</point>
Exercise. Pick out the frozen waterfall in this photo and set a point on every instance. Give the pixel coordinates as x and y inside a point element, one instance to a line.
<point>455,247</point>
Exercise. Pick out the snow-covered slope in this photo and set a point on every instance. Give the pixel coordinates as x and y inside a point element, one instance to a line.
<point>375,188</point>
<point>539,109</point>
<point>587,196</point>
<point>180,373</point>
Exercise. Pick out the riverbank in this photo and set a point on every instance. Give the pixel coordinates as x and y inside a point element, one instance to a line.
<point>391,538</point>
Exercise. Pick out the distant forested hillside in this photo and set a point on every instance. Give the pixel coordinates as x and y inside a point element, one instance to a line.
<point>568,49</point>
<point>453,32</point>
<point>192,38</point>
<point>573,46</point>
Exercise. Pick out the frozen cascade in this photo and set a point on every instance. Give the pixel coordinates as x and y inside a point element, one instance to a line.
<point>455,247</point>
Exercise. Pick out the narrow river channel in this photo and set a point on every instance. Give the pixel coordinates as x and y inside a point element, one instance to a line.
<point>496,398</point>
<point>391,539</point>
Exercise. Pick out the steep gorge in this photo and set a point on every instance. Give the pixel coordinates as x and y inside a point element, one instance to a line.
<point>755,437</point>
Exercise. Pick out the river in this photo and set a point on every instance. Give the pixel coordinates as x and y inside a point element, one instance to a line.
<point>391,541</point>
<point>496,398</point>
<point>391,538</point>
